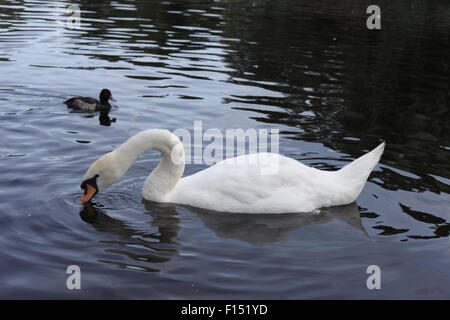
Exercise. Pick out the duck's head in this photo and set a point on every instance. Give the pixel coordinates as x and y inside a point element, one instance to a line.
<point>105,96</point>
<point>100,175</point>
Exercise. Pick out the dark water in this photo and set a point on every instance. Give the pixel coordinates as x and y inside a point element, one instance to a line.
<point>308,68</point>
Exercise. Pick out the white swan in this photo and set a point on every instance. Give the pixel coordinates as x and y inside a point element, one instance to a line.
<point>255,183</point>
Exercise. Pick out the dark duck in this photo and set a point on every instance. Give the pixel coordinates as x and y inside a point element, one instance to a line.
<point>91,104</point>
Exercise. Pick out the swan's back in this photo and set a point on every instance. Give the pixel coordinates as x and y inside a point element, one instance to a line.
<point>271,183</point>
<point>256,183</point>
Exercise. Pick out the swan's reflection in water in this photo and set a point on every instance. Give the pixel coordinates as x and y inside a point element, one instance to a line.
<point>146,246</point>
<point>259,229</point>
<point>159,246</point>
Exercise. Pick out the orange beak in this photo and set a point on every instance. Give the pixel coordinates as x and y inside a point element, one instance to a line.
<point>89,192</point>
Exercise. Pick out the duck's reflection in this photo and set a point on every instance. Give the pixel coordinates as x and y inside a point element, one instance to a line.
<point>103,118</point>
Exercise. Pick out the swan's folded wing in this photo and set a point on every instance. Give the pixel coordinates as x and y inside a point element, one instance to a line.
<point>251,183</point>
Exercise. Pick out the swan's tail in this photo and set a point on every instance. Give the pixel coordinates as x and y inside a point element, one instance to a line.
<point>357,171</point>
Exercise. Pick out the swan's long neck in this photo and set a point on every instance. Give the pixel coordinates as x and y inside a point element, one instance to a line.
<point>163,179</point>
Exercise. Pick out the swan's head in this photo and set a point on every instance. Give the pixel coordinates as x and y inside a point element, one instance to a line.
<point>100,175</point>
<point>90,188</point>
